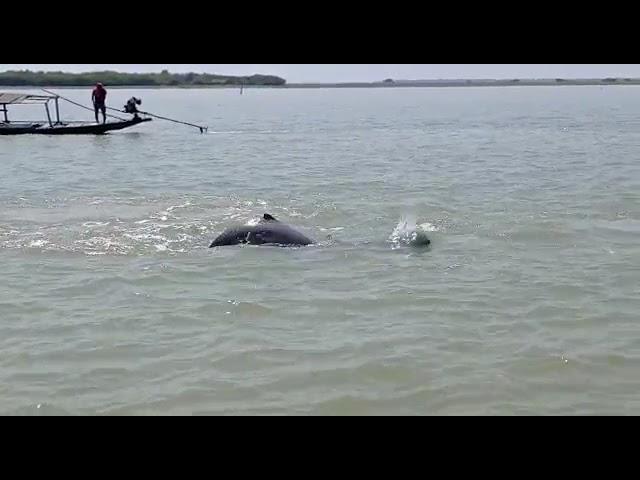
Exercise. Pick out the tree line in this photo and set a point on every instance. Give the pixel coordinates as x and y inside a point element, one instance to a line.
<point>110,78</point>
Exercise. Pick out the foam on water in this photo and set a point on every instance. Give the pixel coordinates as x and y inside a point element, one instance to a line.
<point>162,230</point>
<point>175,229</point>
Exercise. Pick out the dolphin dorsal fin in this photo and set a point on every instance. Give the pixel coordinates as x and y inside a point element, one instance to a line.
<point>269,218</point>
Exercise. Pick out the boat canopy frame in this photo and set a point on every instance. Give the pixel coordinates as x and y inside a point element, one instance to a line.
<point>17,98</point>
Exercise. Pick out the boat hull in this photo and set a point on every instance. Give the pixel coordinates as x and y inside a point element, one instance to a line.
<point>89,129</point>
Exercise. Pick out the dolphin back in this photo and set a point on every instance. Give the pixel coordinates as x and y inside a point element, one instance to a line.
<point>231,236</point>
<point>268,231</point>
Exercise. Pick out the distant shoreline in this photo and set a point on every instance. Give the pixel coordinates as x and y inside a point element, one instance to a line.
<point>471,83</point>
<point>385,84</point>
<point>27,78</point>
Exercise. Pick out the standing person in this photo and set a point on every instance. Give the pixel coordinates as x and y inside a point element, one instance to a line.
<point>99,96</point>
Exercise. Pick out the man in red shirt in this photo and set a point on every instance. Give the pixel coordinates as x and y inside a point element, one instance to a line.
<point>99,96</point>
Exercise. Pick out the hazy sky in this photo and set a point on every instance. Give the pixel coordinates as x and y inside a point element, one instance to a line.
<point>366,72</point>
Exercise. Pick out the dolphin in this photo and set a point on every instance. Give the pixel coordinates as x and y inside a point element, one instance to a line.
<point>268,231</point>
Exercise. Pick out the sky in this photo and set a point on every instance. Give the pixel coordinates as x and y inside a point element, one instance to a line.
<point>296,73</point>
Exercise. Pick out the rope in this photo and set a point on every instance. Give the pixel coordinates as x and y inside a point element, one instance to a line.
<point>202,129</point>
<point>81,106</point>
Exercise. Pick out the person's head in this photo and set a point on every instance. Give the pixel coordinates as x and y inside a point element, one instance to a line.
<point>99,86</point>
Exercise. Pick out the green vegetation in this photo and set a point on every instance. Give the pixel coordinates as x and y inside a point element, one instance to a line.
<point>117,79</point>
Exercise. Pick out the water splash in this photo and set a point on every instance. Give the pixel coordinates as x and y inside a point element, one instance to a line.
<point>407,233</point>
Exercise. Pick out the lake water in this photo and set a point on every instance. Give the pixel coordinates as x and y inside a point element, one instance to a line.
<point>527,301</point>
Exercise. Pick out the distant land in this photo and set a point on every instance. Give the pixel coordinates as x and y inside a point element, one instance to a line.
<point>164,79</point>
<point>390,83</point>
<point>114,79</point>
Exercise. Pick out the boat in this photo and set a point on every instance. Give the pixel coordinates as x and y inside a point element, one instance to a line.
<point>52,126</point>
<point>84,128</point>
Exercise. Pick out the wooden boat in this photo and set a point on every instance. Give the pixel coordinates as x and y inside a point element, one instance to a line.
<point>20,128</point>
<point>51,126</point>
